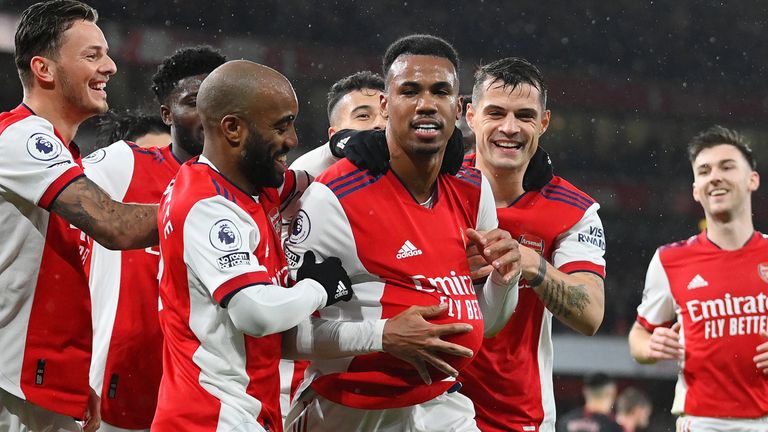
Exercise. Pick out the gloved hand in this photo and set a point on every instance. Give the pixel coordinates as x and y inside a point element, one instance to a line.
<point>330,274</point>
<point>539,171</point>
<point>454,153</point>
<point>366,149</point>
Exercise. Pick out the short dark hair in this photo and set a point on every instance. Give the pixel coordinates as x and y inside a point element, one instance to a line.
<point>357,81</point>
<point>41,28</point>
<point>631,398</point>
<point>597,381</point>
<point>512,72</point>
<point>184,63</point>
<point>127,125</point>
<point>718,135</point>
<point>420,44</point>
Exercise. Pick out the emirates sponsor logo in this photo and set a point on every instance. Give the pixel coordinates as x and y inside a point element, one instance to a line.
<point>730,315</point>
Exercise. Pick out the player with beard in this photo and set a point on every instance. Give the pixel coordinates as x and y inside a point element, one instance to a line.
<point>223,275</point>
<point>45,319</point>
<point>127,349</point>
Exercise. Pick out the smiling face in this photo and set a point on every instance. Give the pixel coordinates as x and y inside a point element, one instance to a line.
<point>507,123</point>
<point>358,110</point>
<point>82,68</point>
<point>421,103</point>
<point>271,135</point>
<point>723,182</point>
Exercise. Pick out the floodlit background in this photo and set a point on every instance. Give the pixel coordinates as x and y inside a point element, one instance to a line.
<point>630,82</point>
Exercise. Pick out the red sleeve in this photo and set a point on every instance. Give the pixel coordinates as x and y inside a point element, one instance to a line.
<point>59,185</point>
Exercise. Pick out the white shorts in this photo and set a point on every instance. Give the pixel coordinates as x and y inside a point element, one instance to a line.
<point>18,415</point>
<point>449,412</point>
<point>687,423</point>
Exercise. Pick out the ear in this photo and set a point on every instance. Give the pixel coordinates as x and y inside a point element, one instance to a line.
<point>165,114</point>
<point>545,122</point>
<point>470,114</point>
<point>42,69</point>
<point>754,181</point>
<point>234,130</point>
<point>459,112</point>
<point>331,131</point>
<point>695,192</point>
<point>383,105</point>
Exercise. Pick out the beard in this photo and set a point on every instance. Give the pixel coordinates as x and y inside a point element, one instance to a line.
<point>190,140</point>
<point>258,165</point>
<point>79,100</point>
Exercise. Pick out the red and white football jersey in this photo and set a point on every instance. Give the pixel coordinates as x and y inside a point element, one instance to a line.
<point>216,239</point>
<point>398,253</point>
<point>127,358</point>
<point>510,380</point>
<point>45,309</point>
<point>721,299</point>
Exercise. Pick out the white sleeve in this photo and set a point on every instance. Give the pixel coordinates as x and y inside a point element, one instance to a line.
<point>321,225</point>
<point>261,310</point>
<point>111,168</point>
<point>219,240</point>
<point>35,164</point>
<point>657,308</point>
<point>315,161</point>
<point>497,302</point>
<point>486,214</point>
<point>295,184</point>
<point>582,247</point>
<point>318,338</point>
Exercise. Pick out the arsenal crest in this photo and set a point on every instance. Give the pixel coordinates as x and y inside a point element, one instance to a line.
<point>536,243</point>
<point>762,270</point>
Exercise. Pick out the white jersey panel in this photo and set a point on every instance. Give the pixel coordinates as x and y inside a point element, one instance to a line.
<point>584,241</point>
<point>658,306</point>
<point>28,169</point>
<point>111,168</point>
<point>546,359</point>
<point>316,160</point>
<point>219,238</point>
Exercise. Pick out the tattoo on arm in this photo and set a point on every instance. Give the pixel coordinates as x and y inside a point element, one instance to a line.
<point>561,299</point>
<point>115,225</point>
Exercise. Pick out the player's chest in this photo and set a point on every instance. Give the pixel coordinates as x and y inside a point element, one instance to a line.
<point>718,276</point>
<point>536,225</point>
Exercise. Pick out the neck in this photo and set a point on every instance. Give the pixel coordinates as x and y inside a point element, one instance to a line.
<point>418,172</point>
<point>227,167</point>
<point>600,406</point>
<point>507,184</point>
<point>729,235</point>
<point>54,109</point>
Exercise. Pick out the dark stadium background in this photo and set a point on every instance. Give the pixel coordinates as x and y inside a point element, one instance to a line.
<point>630,82</point>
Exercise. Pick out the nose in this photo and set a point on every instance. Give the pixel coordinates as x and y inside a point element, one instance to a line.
<point>292,140</point>
<point>379,122</point>
<point>109,67</point>
<point>510,125</point>
<point>426,104</point>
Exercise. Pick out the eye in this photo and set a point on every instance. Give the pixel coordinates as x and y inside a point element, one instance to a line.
<point>363,116</point>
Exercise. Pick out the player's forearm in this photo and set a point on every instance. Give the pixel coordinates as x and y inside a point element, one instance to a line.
<point>261,310</point>
<point>497,303</point>
<point>112,224</point>
<point>575,299</point>
<point>318,338</point>
<point>639,344</point>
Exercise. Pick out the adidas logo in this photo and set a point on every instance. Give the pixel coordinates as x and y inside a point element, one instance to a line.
<point>407,250</point>
<point>343,143</point>
<point>697,282</point>
<point>341,290</point>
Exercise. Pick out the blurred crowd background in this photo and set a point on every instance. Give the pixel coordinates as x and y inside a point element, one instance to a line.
<point>630,83</point>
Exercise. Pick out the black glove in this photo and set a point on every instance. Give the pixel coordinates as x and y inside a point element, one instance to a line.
<point>366,149</point>
<point>454,153</point>
<point>539,171</point>
<point>330,274</point>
